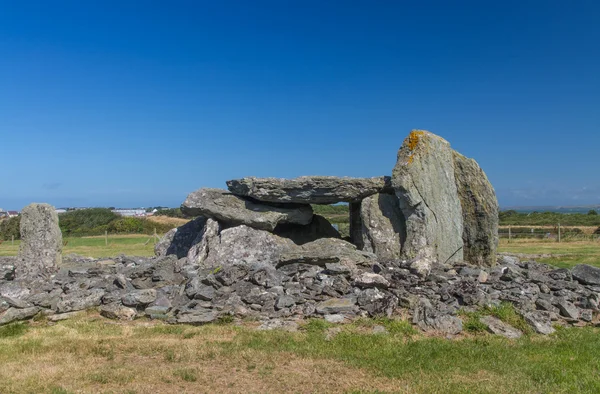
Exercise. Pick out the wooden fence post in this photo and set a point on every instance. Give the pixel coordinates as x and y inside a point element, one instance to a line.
<point>509,234</point>
<point>12,240</point>
<point>106,237</point>
<point>558,232</point>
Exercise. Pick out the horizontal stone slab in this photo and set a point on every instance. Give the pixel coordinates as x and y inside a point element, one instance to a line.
<point>310,189</point>
<point>230,209</point>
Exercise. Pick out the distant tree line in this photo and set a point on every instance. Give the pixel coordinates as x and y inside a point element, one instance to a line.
<point>89,222</point>
<point>514,218</point>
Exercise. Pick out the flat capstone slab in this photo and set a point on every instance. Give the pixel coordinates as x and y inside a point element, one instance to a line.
<point>310,189</point>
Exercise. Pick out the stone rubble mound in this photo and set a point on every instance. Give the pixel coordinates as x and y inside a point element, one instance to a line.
<point>422,242</point>
<point>181,291</point>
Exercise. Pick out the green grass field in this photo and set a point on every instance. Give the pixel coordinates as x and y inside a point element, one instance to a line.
<point>568,254</point>
<point>134,245</point>
<point>92,354</point>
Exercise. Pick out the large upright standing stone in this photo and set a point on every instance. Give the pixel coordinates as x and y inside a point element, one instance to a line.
<point>423,180</point>
<point>480,211</point>
<point>40,252</point>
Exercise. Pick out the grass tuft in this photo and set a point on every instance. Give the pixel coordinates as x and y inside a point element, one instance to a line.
<point>186,374</point>
<point>13,330</point>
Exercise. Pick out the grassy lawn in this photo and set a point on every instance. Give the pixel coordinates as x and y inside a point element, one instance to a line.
<point>572,253</point>
<point>91,354</point>
<point>134,245</point>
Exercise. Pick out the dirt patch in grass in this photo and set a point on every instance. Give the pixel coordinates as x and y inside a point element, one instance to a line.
<point>84,356</point>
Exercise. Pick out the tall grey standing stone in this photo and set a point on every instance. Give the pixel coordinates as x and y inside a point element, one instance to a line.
<point>480,211</point>
<point>423,180</point>
<point>383,226</point>
<point>40,252</point>
<point>234,210</point>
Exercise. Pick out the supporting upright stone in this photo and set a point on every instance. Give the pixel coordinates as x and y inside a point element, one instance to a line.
<point>383,226</point>
<point>356,232</point>
<point>480,211</point>
<point>423,180</point>
<point>40,252</point>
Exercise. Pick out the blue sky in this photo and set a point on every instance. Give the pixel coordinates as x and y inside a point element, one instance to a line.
<point>121,103</point>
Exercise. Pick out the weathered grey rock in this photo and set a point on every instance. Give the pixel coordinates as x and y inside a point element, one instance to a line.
<point>337,269</point>
<point>498,327</point>
<point>325,251</point>
<point>335,306</point>
<point>204,242</point>
<point>379,330</point>
<point>383,226</point>
<point>234,210</point>
<point>285,301</point>
<point>117,312</point>
<point>429,319</point>
<point>78,301</point>
<point>178,241</point>
<point>479,209</point>
<point>243,245</point>
<point>15,314</point>
<point>369,279</point>
<point>266,276</point>
<point>309,189</point>
<point>157,312</point>
<point>586,274</point>
<point>40,252</point>
<point>139,297</point>
<point>246,246</point>
<point>335,319</point>
<point>14,289</point>
<point>421,266</point>
<point>17,303</point>
<point>229,274</point>
<point>7,272</point>
<point>205,293</point>
<point>197,316</point>
<point>568,310</point>
<point>63,316</point>
<point>586,315</point>
<point>423,180</point>
<point>277,324</point>
<point>539,321</point>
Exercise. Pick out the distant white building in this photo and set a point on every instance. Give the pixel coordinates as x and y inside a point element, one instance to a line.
<point>61,210</point>
<point>130,212</point>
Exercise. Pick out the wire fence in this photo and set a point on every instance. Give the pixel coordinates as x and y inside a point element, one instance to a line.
<point>556,233</point>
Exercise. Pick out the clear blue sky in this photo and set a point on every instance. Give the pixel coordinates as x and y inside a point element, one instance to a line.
<point>122,103</point>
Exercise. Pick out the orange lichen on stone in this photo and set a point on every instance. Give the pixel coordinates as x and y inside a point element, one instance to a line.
<point>413,140</point>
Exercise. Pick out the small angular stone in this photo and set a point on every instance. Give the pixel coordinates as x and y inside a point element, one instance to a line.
<point>335,305</point>
<point>498,327</point>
